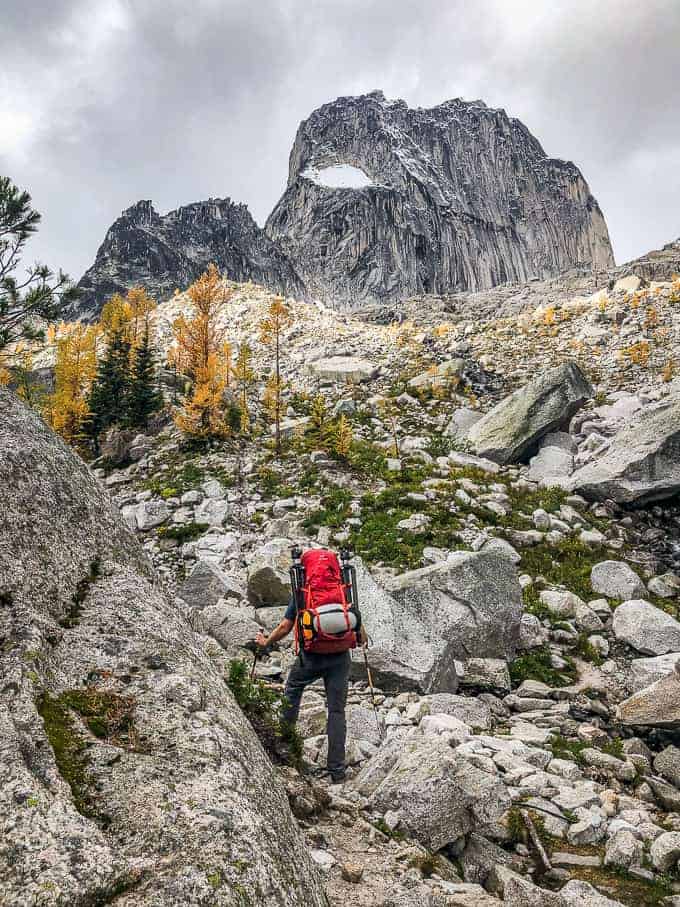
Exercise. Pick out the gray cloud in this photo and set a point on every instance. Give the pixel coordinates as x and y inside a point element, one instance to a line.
<point>103,102</point>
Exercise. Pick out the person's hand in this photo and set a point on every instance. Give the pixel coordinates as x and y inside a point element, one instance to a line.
<point>261,639</point>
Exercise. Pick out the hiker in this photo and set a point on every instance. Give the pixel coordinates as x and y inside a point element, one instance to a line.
<point>323,611</point>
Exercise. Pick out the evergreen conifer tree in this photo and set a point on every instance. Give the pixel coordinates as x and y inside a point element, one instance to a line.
<point>108,398</point>
<point>143,398</point>
<point>36,295</point>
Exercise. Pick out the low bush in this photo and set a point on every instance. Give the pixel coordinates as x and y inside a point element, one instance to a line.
<point>334,511</point>
<point>186,533</point>
<point>567,564</point>
<point>262,707</point>
<point>537,665</point>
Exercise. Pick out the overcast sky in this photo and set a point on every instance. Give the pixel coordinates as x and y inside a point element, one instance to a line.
<point>104,102</point>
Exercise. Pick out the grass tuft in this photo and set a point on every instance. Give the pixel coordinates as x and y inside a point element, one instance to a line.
<point>262,707</point>
<point>537,665</point>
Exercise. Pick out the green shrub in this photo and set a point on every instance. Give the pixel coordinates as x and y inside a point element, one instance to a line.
<point>549,499</point>
<point>567,564</point>
<point>273,484</point>
<point>440,446</point>
<point>587,650</point>
<point>301,403</point>
<point>186,533</point>
<point>537,665</point>
<point>564,748</point>
<point>384,829</point>
<point>262,707</point>
<point>614,747</point>
<point>378,539</point>
<point>368,459</point>
<point>517,830</point>
<point>334,511</point>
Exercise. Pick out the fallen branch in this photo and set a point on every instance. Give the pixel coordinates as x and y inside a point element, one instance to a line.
<point>535,840</point>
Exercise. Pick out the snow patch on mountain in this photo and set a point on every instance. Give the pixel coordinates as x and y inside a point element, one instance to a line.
<point>338,176</point>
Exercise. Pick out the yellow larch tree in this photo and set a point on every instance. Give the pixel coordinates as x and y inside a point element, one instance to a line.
<point>128,315</point>
<point>76,363</point>
<point>202,415</point>
<point>115,315</point>
<point>202,354</point>
<point>277,319</point>
<point>244,376</point>
<point>140,307</point>
<point>318,420</point>
<point>342,438</point>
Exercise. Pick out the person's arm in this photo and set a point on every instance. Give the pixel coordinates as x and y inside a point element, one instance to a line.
<point>277,633</point>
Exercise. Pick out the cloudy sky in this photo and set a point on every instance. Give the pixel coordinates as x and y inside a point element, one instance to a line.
<point>104,102</point>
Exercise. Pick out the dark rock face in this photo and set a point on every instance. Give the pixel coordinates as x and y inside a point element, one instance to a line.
<point>164,252</point>
<point>459,197</point>
<point>456,198</point>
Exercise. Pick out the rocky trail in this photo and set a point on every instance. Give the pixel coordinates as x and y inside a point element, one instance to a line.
<point>512,500</point>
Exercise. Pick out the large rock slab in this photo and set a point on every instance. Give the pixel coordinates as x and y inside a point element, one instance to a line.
<point>616,579</point>
<point>438,795</point>
<point>551,466</point>
<point>646,628</point>
<point>582,894</point>
<point>439,376</point>
<point>232,627</point>
<point>207,584</point>
<point>268,574</point>
<point>657,705</point>
<point>642,461</point>
<point>462,420</point>
<point>520,892</point>
<point>166,805</point>
<point>473,711</point>
<point>425,622</point>
<point>512,428</point>
<point>150,514</point>
<point>646,671</point>
<point>343,369</point>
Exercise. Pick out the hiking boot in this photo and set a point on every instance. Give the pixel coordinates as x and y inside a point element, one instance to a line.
<point>339,777</point>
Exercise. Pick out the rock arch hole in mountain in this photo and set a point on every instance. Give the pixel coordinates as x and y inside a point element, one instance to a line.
<point>338,176</point>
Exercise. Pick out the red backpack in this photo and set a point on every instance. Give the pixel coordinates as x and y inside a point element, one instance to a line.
<point>327,623</point>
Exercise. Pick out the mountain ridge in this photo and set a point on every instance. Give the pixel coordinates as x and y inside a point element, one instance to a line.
<point>166,252</point>
<point>463,197</point>
<point>455,197</point>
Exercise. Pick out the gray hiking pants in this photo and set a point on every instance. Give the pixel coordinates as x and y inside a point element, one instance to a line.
<point>334,671</point>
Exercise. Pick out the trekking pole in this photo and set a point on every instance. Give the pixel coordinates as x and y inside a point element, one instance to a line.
<point>370,686</point>
<point>256,655</point>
